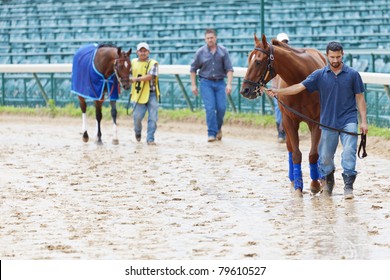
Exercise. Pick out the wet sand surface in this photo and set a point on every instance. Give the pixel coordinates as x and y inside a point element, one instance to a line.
<point>181,199</point>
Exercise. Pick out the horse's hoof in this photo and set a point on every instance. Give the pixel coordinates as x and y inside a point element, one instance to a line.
<point>292,189</point>
<point>85,137</point>
<point>99,142</point>
<point>115,141</point>
<point>298,193</point>
<point>315,187</point>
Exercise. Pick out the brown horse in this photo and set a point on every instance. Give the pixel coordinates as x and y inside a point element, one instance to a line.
<point>293,66</point>
<point>99,70</point>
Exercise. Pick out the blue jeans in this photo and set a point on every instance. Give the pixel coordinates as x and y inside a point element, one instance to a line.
<point>278,114</point>
<point>327,149</point>
<point>214,100</point>
<point>139,114</point>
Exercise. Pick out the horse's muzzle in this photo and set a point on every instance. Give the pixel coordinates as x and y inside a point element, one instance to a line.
<point>250,92</point>
<point>126,86</point>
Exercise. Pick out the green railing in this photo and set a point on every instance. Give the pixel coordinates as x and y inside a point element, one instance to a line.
<point>32,90</point>
<point>33,85</point>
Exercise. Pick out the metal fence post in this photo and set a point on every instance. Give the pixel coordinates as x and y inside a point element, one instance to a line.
<point>42,90</point>
<point>2,89</point>
<point>239,95</point>
<point>184,92</point>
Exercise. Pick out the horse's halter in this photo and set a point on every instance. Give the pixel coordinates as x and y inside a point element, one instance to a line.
<point>255,87</point>
<point>116,70</point>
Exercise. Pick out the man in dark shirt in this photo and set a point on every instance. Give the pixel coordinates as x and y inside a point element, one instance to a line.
<point>214,64</point>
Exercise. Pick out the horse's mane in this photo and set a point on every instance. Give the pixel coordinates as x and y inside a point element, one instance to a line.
<point>286,46</point>
<point>107,45</point>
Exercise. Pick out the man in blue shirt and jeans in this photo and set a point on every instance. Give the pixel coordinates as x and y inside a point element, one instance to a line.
<point>341,96</point>
<point>214,64</point>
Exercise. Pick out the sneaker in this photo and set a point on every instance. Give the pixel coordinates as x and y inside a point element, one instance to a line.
<point>151,143</point>
<point>211,139</point>
<point>138,137</point>
<point>219,135</point>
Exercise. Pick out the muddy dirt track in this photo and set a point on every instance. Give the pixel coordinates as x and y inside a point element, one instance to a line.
<point>181,199</point>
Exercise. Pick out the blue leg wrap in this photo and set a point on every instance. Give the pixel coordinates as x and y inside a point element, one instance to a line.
<point>314,174</point>
<point>290,167</point>
<point>298,182</point>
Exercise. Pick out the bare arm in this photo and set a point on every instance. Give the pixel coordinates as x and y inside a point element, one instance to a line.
<point>144,78</point>
<point>228,89</point>
<point>362,108</point>
<point>194,89</point>
<point>291,90</point>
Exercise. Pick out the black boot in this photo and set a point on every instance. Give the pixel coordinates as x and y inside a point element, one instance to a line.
<point>281,133</point>
<point>348,185</point>
<point>328,183</point>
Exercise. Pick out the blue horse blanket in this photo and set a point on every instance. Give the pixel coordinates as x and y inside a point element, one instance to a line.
<point>87,81</point>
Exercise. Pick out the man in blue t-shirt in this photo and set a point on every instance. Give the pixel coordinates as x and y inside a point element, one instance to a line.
<point>341,91</point>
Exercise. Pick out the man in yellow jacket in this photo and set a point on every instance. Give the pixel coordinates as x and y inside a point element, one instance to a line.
<point>145,93</point>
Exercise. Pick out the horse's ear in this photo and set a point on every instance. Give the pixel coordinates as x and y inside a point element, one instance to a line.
<point>129,52</point>
<point>264,39</point>
<point>256,39</point>
<point>119,51</point>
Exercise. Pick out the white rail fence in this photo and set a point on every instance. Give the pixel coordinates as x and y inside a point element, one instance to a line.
<point>368,77</point>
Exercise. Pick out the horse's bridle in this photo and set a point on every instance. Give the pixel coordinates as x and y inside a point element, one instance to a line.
<point>116,70</point>
<point>269,70</point>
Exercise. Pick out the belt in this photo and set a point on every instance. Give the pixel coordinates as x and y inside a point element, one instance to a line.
<point>212,79</point>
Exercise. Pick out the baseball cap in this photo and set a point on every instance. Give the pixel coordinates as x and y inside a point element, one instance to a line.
<point>143,45</point>
<point>282,36</point>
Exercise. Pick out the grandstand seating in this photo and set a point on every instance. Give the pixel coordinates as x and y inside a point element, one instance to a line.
<point>50,31</point>
<point>49,27</point>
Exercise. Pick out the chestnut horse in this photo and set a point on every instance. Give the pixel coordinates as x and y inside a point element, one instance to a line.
<point>293,66</point>
<point>99,70</point>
